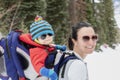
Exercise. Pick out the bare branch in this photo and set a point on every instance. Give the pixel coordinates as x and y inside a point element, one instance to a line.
<point>8,10</point>
<point>12,23</point>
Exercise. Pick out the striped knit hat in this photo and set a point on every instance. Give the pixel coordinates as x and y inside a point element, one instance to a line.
<point>40,27</point>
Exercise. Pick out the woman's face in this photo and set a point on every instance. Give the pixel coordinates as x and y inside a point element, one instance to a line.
<point>86,41</point>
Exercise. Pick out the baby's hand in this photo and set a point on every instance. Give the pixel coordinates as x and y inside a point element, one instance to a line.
<point>61,47</point>
<point>49,73</point>
<point>52,45</point>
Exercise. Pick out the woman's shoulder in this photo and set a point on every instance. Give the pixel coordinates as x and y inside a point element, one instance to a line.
<point>75,63</point>
<point>73,66</point>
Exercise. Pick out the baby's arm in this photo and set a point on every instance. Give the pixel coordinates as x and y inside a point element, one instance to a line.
<point>59,47</point>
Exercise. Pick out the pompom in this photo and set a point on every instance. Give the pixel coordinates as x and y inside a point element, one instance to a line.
<point>38,18</point>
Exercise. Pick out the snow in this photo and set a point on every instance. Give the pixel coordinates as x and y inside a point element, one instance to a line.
<point>104,65</point>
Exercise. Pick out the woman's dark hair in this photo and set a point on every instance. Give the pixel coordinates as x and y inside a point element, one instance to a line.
<point>75,29</point>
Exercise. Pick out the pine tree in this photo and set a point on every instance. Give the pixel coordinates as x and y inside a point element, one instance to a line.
<point>110,21</point>
<point>102,17</point>
<point>56,12</point>
<point>20,13</point>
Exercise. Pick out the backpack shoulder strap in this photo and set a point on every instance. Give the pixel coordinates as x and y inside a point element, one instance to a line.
<point>70,56</point>
<point>66,56</point>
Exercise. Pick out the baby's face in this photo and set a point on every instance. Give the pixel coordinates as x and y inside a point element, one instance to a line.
<point>46,39</point>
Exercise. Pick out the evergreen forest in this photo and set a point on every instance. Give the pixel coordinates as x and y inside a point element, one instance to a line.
<point>61,14</point>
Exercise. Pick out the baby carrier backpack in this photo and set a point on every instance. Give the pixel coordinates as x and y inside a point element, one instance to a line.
<point>17,58</point>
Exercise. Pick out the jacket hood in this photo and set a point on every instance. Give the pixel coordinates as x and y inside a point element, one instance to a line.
<point>27,38</point>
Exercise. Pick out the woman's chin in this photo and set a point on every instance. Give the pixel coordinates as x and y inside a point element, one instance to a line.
<point>90,51</point>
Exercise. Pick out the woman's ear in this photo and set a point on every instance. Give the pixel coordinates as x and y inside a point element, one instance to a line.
<point>74,42</point>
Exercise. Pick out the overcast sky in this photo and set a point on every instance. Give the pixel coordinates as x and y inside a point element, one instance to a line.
<point>117,11</point>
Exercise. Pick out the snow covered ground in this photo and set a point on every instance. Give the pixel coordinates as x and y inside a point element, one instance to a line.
<point>104,65</point>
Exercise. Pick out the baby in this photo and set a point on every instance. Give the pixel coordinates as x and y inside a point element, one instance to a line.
<point>41,36</point>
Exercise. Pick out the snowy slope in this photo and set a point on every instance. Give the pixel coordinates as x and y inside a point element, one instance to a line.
<point>104,65</point>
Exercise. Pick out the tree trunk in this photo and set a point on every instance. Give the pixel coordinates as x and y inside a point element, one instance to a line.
<point>77,11</point>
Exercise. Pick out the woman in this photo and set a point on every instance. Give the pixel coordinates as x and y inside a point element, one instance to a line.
<point>82,42</point>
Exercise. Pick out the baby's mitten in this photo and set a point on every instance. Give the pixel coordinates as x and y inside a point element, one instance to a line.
<point>48,73</point>
<point>61,47</point>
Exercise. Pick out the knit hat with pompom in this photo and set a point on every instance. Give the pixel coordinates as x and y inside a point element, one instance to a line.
<point>40,27</point>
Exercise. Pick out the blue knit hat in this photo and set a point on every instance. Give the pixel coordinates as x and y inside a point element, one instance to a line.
<point>40,27</point>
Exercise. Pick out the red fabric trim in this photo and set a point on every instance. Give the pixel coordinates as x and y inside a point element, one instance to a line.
<point>22,78</point>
